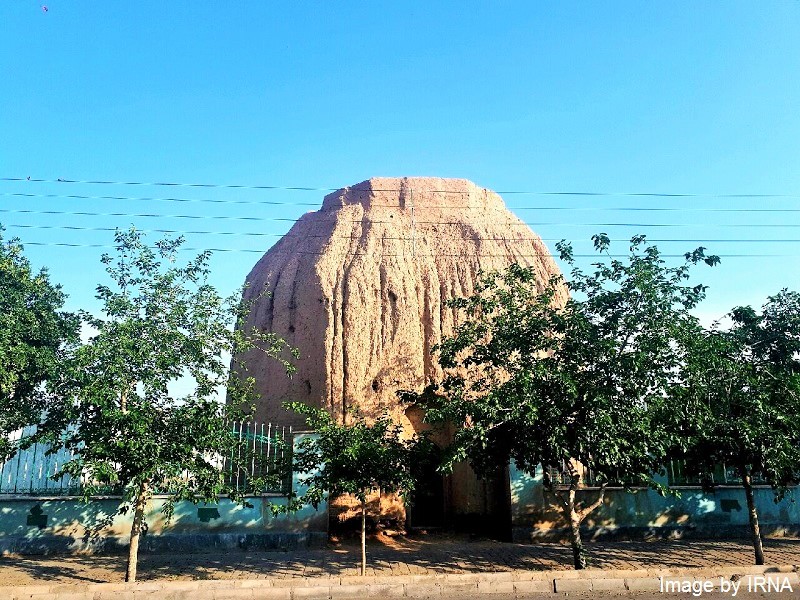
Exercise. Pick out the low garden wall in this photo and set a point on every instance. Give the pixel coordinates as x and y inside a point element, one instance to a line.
<point>46,518</point>
<point>644,513</point>
<point>41,525</point>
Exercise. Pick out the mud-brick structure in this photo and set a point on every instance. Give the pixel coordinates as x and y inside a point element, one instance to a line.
<point>361,286</point>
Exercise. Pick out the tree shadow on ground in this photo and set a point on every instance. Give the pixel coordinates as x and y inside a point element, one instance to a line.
<point>687,553</point>
<point>395,556</point>
<point>83,568</point>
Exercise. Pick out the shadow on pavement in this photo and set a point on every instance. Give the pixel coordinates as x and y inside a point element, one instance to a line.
<point>394,556</point>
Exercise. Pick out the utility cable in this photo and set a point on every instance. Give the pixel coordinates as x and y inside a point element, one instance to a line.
<point>282,219</point>
<point>408,255</point>
<point>289,234</point>
<point>355,188</point>
<point>427,206</point>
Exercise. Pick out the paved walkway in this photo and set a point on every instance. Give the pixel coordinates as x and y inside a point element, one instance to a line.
<point>393,556</point>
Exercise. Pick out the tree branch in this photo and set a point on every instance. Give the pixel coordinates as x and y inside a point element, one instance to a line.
<point>589,509</point>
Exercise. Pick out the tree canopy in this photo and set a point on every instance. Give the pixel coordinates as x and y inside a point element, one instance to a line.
<point>35,334</point>
<point>572,386</point>
<point>163,328</point>
<point>355,458</point>
<point>741,400</point>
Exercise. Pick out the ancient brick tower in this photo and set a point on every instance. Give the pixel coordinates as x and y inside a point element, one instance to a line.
<point>360,288</point>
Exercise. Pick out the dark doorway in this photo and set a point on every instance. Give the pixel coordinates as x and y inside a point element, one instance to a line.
<point>427,508</point>
<point>428,505</point>
<point>497,511</point>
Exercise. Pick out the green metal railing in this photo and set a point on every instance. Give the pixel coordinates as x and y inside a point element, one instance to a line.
<point>722,474</point>
<point>263,454</point>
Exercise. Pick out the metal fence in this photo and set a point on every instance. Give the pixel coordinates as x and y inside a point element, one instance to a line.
<point>30,471</point>
<point>263,452</point>
<point>562,477</point>
<point>723,474</point>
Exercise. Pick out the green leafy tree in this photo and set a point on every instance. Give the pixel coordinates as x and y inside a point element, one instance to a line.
<point>742,400</point>
<point>353,458</point>
<point>567,385</point>
<point>131,431</point>
<point>35,335</point>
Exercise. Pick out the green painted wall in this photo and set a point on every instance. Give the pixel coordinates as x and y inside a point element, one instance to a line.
<point>39,524</point>
<point>68,524</point>
<point>535,514</point>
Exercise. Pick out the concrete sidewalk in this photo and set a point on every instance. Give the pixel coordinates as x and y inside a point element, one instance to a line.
<point>505,585</point>
<point>432,555</point>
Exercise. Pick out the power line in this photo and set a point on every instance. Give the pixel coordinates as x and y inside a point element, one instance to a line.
<point>125,198</point>
<point>168,231</point>
<point>408,238</point>
<point>408,255</point>
<point>354,188</point>
<point>241,218</point>
<point>143,199</point>
<point>540,224</point>
<point>172,184</point>
<point>432,206</point>
<point>143,215</point>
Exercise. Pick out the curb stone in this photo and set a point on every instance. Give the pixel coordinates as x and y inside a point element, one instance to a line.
<point>439,585</point>
<point>643,584</point>
<point>611,584</point>
<point>533,586</point>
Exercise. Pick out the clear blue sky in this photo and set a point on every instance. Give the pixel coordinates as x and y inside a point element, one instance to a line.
<point>677,97</point>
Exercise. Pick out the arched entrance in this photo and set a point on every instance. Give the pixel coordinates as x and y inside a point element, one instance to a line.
<point>458,501</point>
<point>428,506</point>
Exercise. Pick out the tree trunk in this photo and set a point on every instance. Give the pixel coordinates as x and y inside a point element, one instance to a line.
<point>755,530</point>
<point>136,529</point>
<point>363,537</point>
<point>574,519</point>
